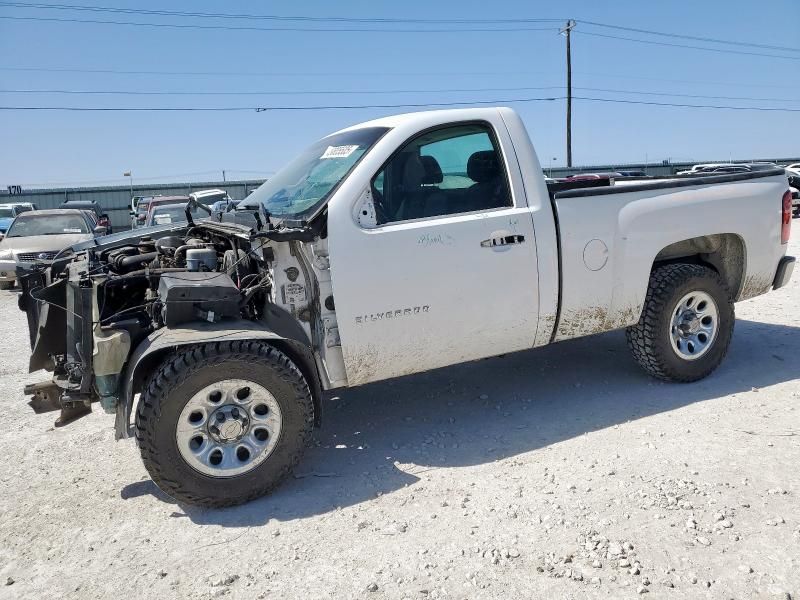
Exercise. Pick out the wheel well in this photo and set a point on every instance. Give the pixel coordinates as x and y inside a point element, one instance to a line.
<point>302,356</point>
<point>296,352</point>
<point>723,252</point>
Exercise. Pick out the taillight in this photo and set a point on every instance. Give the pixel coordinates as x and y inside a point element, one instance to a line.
<point>786,217</point>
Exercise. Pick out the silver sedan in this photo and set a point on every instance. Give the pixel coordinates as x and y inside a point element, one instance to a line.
<point>36,237</point>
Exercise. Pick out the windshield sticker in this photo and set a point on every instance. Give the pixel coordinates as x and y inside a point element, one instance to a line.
<point>339,151</point>
<point>72,230</point>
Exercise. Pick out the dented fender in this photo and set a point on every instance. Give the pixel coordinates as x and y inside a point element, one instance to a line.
<point>150,352</point>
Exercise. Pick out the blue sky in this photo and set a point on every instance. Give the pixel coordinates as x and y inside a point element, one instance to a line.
<point>93,147</point>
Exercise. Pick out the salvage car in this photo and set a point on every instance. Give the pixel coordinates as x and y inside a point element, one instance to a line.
<point>139,207</point>
<point>161,214</point>
<point>92,207</point>
<point>36,238</point>
<point>392,247</point>
<point>793,175</point>
<point>10,210</point>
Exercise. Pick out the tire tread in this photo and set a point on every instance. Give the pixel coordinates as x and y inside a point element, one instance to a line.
<point>175,369</point>
<point>643,337</point>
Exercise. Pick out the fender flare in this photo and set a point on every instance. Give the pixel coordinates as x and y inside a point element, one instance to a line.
<point>151,351</point>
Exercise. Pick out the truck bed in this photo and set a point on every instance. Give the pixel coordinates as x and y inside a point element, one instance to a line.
<point>607,248</point>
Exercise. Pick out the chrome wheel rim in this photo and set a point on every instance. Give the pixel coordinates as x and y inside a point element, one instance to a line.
<point>228,428</point>
<point>694,325</point>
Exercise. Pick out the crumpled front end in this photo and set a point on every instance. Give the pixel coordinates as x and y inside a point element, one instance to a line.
<point>89,310</point>
<point>59,302</point>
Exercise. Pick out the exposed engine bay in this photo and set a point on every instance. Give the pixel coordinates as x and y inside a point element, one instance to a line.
<point>89,312</point>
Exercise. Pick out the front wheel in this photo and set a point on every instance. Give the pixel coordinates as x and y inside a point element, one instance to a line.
<point>686,325</point>
<point>221,424</point>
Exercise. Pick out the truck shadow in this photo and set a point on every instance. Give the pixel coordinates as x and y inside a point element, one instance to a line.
<point>381,437</point>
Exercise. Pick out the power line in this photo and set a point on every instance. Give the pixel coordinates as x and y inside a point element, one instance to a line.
<point>495,102</point>
<point>249,16</point>
<point>691,37</point>
<point>273,108</point>
<point>275,92</point>
<point>257,73</point>
<point>679,95</point>
<point>394,91</point>
<point>678,105</point>
<point>689,81</point>
<point>375,74</point>
<point>372,20</point>
<point>718,50</point>
<point>251,171</point>
<point>292,29</point>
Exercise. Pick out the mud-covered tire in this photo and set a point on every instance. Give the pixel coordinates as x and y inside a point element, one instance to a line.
<point>650,339</point>
<point>189,370</point>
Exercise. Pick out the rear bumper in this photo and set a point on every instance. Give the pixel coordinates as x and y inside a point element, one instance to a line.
<point>784,272</point>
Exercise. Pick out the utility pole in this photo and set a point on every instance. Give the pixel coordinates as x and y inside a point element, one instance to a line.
<point>223,175</point>
<point>565,32</point>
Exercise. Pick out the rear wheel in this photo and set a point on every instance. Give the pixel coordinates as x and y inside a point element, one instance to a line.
<point>686,325</point>
<point>221,424</point>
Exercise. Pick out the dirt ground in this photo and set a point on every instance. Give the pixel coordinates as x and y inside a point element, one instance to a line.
<point>563,472</point>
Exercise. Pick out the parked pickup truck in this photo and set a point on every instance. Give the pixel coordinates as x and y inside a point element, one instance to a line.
<point>389,248</point>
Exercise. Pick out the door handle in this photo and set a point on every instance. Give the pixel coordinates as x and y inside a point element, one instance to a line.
<point>505,240</point>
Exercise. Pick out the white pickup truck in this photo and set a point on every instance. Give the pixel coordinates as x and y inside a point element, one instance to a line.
<point>389,248</point>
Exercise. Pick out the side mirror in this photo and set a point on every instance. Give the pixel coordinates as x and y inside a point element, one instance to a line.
<point>99,230</point>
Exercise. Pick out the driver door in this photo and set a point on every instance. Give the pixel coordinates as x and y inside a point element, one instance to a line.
<point>448,272</point>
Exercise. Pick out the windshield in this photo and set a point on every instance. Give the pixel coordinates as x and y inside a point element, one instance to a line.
<point>6,213</point>
<point>303,185</point>
<point>26,225</point>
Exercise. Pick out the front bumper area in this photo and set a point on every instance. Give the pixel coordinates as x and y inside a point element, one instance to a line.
<point>61,341</point>
<point>8,270</point>
<point>784,272</point>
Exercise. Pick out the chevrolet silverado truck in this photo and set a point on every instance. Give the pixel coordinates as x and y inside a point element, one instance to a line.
<point>388,248</point>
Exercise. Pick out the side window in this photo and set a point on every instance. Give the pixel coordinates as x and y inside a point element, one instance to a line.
<point>443,172</point>
<point>377,182</point>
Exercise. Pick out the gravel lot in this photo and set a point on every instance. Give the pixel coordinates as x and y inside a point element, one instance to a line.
<point>558,473</point>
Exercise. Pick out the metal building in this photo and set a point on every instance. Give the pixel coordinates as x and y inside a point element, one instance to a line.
<point>116,200</point>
